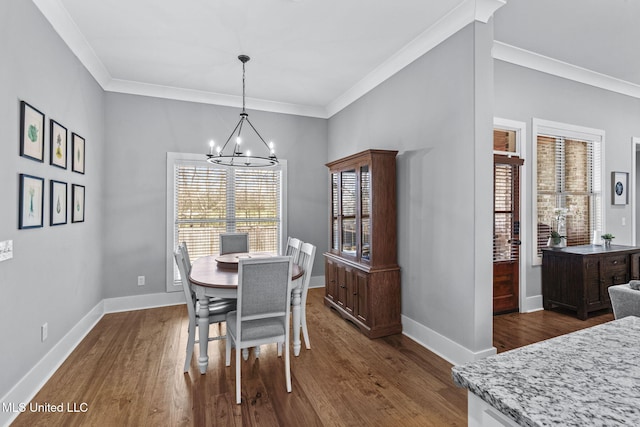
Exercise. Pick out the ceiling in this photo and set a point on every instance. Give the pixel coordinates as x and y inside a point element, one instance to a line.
<point>314,57</point>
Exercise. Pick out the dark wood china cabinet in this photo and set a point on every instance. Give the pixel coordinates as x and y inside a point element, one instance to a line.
<point>361,269</point>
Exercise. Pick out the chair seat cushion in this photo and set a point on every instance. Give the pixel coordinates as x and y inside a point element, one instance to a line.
<point>266,329</point>
<point>218,309</point>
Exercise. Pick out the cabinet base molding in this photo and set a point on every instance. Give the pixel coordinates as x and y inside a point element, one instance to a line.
<point>375,332</point>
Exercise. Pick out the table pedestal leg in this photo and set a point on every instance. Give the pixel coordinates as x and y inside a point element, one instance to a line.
<point>203,329</point>
<point>296,320</point>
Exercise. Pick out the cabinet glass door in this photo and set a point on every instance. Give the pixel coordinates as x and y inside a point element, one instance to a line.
<point>335,213</point>
<point>349,208</point>
<point>365,215</point>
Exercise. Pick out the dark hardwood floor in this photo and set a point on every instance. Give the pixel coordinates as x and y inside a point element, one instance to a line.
<point>128,372</point>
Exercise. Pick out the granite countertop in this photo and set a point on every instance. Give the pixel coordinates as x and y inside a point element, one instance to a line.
<point>589,377</point>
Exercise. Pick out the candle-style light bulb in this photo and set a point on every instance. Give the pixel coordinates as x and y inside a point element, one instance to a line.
<point>248,153</point>
<point>211,144</point>
<point>238,140</point>
<point>218,149</point>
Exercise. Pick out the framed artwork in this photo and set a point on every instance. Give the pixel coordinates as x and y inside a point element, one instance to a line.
<point>58,142</point>
<point>78,153</point>
<point>31,132</point>
<point>619,188</point>
<point>77,198</point>
<point>58,203</point>
<point>31,202</point>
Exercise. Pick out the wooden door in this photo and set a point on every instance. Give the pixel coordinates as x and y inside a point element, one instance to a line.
<point>506,233</point>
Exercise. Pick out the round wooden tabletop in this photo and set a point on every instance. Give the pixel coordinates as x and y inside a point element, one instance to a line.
<point>206,271</point>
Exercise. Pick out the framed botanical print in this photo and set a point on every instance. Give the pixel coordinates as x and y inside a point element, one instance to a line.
<point>31,132</point>
<point>58,144</point>
<point>77,203</point>
<point>619,188</point>
<point>31,201</point>
<point>78,153</point>
<point>58,203</point>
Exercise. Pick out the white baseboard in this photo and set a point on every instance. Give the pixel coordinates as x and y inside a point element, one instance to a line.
<point>32,382</point>
<point>141,302</point>
<point>316,282</point>
<point>532,304</point>
<point>449,350</point>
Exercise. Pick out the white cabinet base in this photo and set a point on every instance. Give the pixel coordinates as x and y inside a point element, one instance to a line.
<point>481,414</point>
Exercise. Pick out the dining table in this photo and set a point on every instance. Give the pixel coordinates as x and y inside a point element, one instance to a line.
<point>217,276</point>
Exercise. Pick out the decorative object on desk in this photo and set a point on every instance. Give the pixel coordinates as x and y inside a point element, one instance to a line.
<point>31,203</point>
<point>556,240</point>
<point>58,203</point>
<point>77,198</point>
<point>58,144</point>
<point>635,285</point>
<point>234,156</point>
<point>596,240</point>
<point>78,153</point>
<point>607,238</point>
<point>619,188</point>
<point>31,132</point>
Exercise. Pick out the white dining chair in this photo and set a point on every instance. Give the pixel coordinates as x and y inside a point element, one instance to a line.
<point>307,256</point>
<point>293,248</point>
<point>218,309</point>
<point>234,243</point>
<point>263,314</point>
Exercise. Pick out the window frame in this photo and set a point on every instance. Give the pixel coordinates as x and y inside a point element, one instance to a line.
<point>568,131</point>
<point>175,158</point>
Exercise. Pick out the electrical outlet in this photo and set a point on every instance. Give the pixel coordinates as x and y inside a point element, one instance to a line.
<point>6,250</point>
<point>140,280</point>
<point>44,331</point>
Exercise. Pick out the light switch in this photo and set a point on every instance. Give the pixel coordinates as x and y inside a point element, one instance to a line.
<point>6,250</point>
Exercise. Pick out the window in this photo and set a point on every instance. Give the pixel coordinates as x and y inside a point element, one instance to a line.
<point>205,200</point>
<point>568,183</point>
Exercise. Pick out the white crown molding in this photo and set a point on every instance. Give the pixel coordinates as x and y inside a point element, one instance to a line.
<point>525,58</point>
<point>190,95</point>
<point>486,8</point>
<point>464,14</point>
<point>467,12</point>
<point>59,18</point>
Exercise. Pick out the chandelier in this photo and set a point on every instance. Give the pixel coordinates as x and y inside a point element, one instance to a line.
<point>234,156</point>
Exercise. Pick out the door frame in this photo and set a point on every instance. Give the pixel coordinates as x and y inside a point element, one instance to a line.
<point>521,143</point>
<point>635,147</point>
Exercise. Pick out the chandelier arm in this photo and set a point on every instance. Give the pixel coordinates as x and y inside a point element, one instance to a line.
<point>232,132</point>
<point>258,133</point>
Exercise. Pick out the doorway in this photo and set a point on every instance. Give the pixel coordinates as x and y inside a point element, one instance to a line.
<point>506,233</point>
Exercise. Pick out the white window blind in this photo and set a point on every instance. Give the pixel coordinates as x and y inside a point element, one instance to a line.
<point>569,189</point>
<point>209,200</point>
<point>505,195</point>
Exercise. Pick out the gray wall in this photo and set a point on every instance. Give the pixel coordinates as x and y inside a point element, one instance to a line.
<point>522,94</point>
<point>56,273</point>
<point>437,113</point>
<point>141,130</point>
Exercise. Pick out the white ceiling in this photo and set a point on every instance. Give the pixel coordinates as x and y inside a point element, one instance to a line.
<point>314,57</point>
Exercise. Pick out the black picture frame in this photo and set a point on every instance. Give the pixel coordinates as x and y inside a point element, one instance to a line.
<point>31,132</point>
<point>57,202</point>
<point>78,143</point>
<point>31,202</point>
<point>77,203</point>
<point>57,144</point>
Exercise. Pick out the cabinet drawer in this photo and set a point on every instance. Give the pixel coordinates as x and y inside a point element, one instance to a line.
<point>618,262</point>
